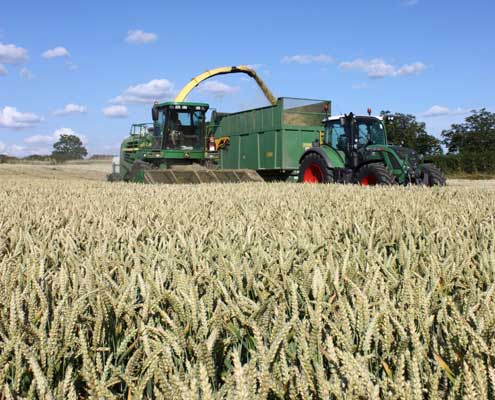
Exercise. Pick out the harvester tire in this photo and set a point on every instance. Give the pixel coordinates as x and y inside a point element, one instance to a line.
<point>435,176</point>
<point>114,177</point>
<point>375,174</point>
<point>314,169</point>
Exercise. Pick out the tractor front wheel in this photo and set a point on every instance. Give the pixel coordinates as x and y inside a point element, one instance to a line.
<point>375,174</point>
<point>433,176</point>
<point>314,169</point>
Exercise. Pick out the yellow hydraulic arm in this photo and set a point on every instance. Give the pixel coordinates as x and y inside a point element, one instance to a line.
<point>222,71</point>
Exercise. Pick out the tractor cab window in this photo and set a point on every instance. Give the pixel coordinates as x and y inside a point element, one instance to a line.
<point>335,135</point>
<point>370,131</point>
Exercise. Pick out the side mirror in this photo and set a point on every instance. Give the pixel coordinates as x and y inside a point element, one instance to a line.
<point>154,114</point>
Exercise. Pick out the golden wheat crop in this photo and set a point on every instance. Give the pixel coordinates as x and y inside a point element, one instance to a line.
<point>246,291</point>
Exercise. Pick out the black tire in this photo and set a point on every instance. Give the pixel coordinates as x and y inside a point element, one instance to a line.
<point>314,169</point>
<point>114,177</point>
<point>375,174</point>
<point>433,176</point>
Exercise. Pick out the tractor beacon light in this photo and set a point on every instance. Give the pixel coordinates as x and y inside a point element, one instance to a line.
<point>369,111</point>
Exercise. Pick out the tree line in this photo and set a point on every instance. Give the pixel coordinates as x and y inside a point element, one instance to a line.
<point>469,146</point>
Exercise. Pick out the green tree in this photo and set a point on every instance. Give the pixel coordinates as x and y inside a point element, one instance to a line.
<point>406,130</point>
<point>69,147</point>
<point>475,135</point>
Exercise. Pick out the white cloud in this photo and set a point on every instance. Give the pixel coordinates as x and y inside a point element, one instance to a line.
<point>410,69</point>
<point>140,37</point>
<point>359,86</point>
<point>439,111</point>
<point>2,146</point>
<point>254,66</point>
<point>56,52</point>
<point>71,109</point>
<point>307,59</point>
<point>217,89</point>
<point>71,65</point>
<point>26,74</point>
<point>3,70</point>
<point>48,139</point>
<point>15,150</point>
<point>11,54</point>
<point>115,111</point>
<point>378,68</point>
<point>11,118</point>
<point>409,3</point>
<point>156,89</point>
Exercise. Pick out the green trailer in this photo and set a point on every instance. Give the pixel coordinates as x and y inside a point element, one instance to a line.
<point>269,140</point>
<point>298,139</point>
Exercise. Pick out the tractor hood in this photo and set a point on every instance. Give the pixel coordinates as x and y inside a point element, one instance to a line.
<point>408,155</point>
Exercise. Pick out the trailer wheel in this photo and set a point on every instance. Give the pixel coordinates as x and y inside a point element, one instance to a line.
<point>375,174</point>
<point>433,176</point>
<point>314,169</point>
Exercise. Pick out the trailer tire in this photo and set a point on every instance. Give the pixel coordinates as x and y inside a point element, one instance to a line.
<point>434,176</point>
<point>375,174</point>
<point>314,169</point>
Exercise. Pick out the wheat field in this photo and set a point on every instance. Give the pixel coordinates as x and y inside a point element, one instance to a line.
<point>245,291</point>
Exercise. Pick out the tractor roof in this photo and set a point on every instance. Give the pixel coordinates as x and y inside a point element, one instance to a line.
<point>337,117</point>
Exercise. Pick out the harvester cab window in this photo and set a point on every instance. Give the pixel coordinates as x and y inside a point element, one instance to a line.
<point>185,130</point>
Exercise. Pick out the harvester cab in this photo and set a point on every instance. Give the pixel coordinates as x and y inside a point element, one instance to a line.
<point>180,126</point>
<point>354,149</point>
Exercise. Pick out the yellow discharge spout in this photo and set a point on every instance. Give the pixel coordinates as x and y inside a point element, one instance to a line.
<point>244,69</point>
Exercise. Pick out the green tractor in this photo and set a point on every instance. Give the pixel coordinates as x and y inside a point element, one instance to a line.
<point>354,149</point>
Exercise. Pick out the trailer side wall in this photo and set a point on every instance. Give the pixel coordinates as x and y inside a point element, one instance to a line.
<point>270,138</point>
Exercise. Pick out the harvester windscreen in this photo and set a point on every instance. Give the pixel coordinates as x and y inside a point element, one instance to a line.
<point>304,112</point>
<point>370,131</point>
<point>184,130</point>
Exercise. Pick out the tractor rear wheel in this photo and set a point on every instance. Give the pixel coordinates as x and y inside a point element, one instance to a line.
<point>433,176</point>
<point>375,174</point>
<point>314,169</point>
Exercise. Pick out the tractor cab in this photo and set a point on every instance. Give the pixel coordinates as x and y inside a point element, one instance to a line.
<point>354,134</point>
<point>179,126</point>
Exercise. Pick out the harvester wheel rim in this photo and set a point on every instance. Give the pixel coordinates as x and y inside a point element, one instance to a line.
<point>313,174</point>
<point>368,180</point>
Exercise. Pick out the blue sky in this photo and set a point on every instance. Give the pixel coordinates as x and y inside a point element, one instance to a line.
<point>92,68</point>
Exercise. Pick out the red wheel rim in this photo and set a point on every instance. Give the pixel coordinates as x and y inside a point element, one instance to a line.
<point>368,180</point>
<point>313,174</point>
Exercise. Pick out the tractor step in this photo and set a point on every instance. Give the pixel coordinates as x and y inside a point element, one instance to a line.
<point>191,176</point>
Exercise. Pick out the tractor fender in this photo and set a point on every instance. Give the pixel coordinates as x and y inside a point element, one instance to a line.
<point>320,152</point>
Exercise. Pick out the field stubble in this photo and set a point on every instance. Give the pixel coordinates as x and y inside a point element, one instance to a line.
<point>245,291</point>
